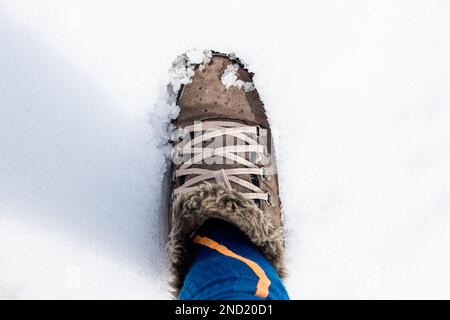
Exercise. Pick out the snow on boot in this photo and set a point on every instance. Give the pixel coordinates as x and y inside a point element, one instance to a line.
<point>223,164</point>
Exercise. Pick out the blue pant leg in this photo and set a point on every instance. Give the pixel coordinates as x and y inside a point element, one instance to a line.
<point>213,275</point>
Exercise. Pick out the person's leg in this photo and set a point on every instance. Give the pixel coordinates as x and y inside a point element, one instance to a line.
<point>226,265</point>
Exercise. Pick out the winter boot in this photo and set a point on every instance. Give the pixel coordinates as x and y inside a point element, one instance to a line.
<point>223,164</point>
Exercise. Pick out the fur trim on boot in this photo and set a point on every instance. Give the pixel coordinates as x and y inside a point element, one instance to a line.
<point>191,209</point>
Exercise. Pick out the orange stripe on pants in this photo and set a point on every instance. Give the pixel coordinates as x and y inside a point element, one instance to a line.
<point>262,287</point>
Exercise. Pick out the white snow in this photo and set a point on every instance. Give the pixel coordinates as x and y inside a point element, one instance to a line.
<point>183,67</point>
<point>358,96</point>
<point>230,79</point>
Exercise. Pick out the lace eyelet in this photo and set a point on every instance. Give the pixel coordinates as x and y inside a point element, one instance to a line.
<point>265,174</point>
<point>269,200</point>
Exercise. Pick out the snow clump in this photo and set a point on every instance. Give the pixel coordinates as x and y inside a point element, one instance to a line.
<point>230,79</point>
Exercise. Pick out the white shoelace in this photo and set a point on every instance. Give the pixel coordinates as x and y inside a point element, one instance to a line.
<point>193,152</point>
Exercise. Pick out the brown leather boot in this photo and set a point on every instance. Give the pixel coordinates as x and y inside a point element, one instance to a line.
<point>223,163</point>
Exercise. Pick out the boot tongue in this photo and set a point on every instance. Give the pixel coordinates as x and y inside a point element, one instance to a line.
<point>218,164</point>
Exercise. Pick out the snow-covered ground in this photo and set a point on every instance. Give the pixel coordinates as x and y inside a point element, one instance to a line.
<point>358,93</point>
